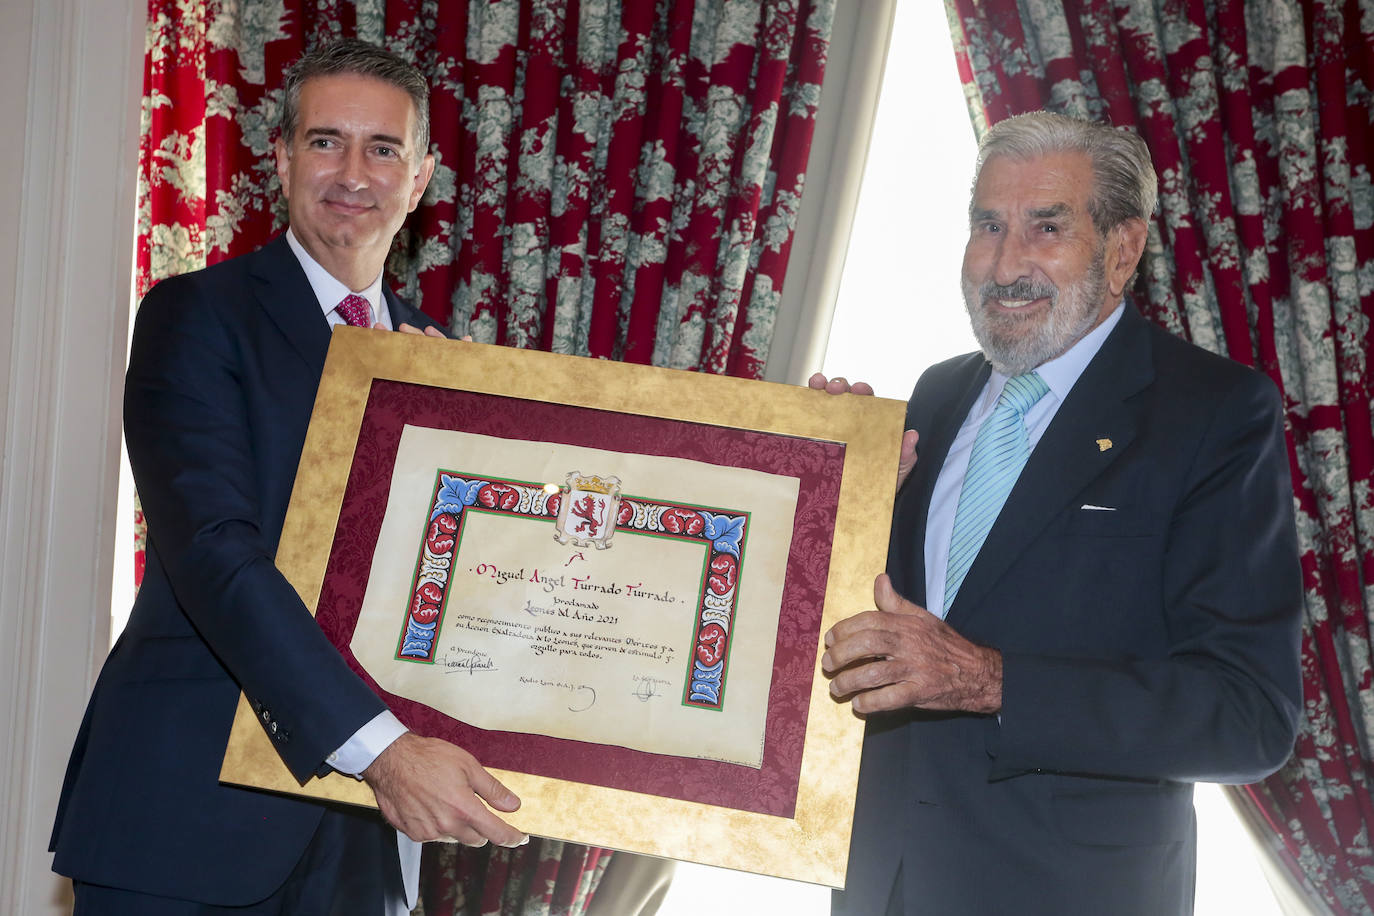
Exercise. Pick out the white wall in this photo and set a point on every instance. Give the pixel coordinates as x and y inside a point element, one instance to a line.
<point>70,78</point>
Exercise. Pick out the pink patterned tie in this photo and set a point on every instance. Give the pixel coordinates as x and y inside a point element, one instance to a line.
<point>355,310</point>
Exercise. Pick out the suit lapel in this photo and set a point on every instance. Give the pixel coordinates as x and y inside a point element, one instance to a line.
<point>401,312</point>
<point>1069,455</point>
<point>284,293</point>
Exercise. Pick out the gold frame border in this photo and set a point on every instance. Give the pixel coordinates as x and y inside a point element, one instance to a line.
<point>813,845</point>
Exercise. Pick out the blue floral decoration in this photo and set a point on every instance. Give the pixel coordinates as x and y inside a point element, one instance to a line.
<point>725,532</point>
<point>455,494</point>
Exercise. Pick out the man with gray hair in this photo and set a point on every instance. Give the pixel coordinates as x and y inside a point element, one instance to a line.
<point>222,378</point>
<point>1092,596</point>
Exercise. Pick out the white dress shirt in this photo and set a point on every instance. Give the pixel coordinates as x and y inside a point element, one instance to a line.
<point>1059,374</point>
<point>331,292</point>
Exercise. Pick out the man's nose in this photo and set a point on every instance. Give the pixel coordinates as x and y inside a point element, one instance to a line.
<point>1010,261</point>
<point>353,171</point>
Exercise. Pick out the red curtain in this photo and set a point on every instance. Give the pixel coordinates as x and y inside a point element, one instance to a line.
<point>615,178</point>
<point>1259,118</point>
<point>619,180</point>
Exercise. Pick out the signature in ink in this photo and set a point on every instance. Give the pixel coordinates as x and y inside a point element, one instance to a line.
<point>590,703</point>
<point>646,688</point>
<point>469,661</point>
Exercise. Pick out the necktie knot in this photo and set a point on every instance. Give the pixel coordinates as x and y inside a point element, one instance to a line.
<point>1022,392</point>
<point>355,310</point>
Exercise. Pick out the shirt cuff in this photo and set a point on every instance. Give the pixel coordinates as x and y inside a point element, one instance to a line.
<point>357,753</point>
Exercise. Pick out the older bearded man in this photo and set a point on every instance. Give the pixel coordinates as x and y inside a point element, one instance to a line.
<point>1092,596</point>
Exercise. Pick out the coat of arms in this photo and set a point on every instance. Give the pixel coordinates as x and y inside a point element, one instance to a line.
<point>587,515</point>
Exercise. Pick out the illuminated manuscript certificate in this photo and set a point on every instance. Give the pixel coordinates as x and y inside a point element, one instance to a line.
<point>556,590</point>
<point>606,581</point>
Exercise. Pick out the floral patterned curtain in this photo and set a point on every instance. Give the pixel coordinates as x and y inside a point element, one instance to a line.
<point>1259,116</point>
<point>615,178</point>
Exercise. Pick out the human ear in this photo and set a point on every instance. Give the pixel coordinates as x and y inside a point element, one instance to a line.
<point>283,167</point>
<point>422,178</point>
<point>1125,247</point>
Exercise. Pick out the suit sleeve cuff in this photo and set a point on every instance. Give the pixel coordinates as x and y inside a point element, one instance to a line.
<point>357,753</point>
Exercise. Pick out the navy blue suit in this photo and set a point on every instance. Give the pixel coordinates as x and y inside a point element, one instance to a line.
<point>1146,645</point>
<point>220,386</point>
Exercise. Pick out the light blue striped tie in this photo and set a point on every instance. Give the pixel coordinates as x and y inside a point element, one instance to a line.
<point>999,453</point>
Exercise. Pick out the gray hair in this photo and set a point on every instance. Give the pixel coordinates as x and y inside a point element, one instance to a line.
<point>350,55</point>
<point>1124,186</point>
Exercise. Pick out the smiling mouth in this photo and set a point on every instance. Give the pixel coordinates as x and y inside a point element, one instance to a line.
<point>1023,295</point>
<point>1013,304</point>
<point>348,206</point>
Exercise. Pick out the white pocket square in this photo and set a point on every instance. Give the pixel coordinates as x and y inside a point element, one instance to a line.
<point>1089,507</point>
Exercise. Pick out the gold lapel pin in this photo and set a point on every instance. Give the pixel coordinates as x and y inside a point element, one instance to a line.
<point>1103,444</point>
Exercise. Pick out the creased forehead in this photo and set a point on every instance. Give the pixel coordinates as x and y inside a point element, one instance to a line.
<point>1034,185</point>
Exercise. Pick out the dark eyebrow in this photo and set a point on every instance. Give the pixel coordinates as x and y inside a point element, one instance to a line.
<point>979,214</point>
<point>1052,212</point>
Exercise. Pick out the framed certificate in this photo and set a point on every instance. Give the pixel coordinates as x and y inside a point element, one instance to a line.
<point>606,581</point>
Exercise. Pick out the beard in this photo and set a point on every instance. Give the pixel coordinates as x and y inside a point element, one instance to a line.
<point>1016,343</point>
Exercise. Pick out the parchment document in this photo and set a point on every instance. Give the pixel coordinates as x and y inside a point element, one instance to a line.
<point>577,593</point>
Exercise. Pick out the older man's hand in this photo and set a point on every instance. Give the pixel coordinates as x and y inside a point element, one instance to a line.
<point>902,655</point>
<point>906,461</point>
<point>430,789</point>
<point>838,385</point>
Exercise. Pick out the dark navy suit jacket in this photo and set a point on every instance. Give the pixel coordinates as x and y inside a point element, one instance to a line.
<point>220,386</point>
<point>1147,644</point>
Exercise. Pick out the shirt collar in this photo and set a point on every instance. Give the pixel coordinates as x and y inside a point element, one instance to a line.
<point>1063,371</point>
<point>328,290</point>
